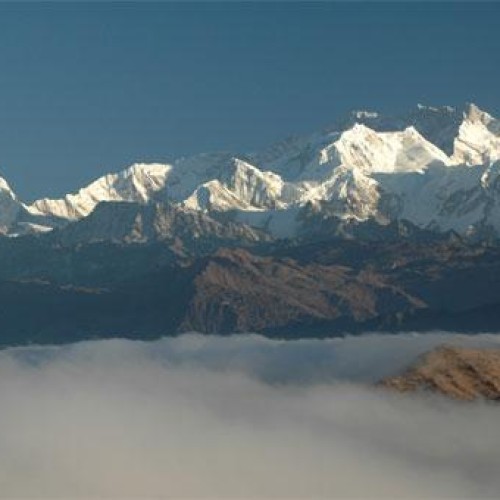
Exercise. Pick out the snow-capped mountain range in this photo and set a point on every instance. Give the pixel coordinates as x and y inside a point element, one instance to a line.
<point>438,168</point>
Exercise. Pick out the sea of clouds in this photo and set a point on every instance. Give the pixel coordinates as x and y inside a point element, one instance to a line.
<point>240,416</point>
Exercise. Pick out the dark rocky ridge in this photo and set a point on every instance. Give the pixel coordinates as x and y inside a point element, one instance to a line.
<point>55,293</point>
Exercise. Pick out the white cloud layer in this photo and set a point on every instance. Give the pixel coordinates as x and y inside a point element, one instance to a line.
<point>237,417</point>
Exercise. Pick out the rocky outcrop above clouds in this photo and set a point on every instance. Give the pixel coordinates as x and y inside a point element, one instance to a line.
<point>457,372</point>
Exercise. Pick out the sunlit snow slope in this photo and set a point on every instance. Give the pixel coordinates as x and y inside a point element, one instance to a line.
<point>438,168</point>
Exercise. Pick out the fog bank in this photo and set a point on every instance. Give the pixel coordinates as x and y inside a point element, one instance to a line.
<point>238,416</point>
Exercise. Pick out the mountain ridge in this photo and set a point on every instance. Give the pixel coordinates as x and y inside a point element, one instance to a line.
<point>367,227</point>
<point>435,167</point>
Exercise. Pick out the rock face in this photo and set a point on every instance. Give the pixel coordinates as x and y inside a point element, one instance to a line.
<point>126,223</point>
<point>457,372</point>
<point>237,291</point>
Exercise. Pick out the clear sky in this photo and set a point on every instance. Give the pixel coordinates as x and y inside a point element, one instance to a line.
<point>90,88</point>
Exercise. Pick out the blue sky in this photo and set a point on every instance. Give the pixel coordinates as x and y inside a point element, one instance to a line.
<point>90,88</point>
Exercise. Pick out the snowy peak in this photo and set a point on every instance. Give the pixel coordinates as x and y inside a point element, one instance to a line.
<point>436,167</point>
<point>141,181</point>
<point>5,189</point>
<point>478,138</point>
<point>350,194</point>
<point>376,152</point>
<point>257,188</point>
<point>188,174</point>
<point>437,126</point>
<point>388,152</point>
<point>9,206</point>
<point>137,183</point>
<point>240,186</point>
<point>468,135</point>
<point>474,114</point>
<point>440,125</point>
